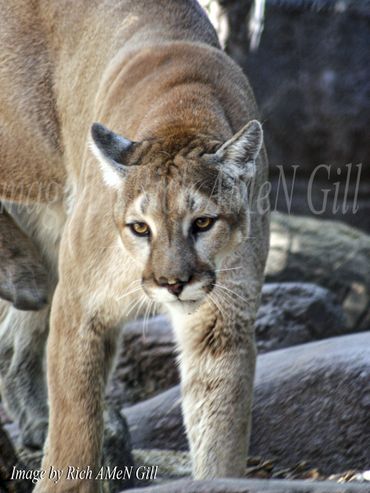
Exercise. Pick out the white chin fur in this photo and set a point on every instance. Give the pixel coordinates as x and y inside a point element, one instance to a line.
<point>193,292</point>
<point>181,308</point>
<point>161,295</point>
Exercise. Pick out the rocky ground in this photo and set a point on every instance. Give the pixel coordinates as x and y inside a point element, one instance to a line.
<point>312,388</point>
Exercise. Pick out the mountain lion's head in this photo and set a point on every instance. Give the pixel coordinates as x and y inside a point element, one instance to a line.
<point>180,209</point>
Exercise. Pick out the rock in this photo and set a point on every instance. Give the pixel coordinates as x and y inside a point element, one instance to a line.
<point>310,403</point>
<point>146,362</point>
<point>252,486</point>
<point>290,314</point>
<point>117,447</point>
<point>157,422</point>
<point>311,79</point>
<point>295,313</point>
<point>328,253</point>
<point>172,464</point>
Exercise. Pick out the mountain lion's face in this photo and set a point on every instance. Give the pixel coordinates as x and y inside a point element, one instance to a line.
<point>179,225</point>
<point>179,214</point>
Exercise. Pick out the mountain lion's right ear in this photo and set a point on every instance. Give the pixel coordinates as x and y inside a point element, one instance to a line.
<point>110,149</point>
<point>239,154</point>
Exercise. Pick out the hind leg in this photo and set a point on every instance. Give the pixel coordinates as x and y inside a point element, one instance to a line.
<point>23,282</point>
<point>23,276</point>
<point>23,334</point>
<point>22,381</point>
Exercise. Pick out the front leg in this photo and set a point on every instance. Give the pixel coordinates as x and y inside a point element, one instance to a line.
<point>79,353</point>
<point>23,337</point>
<point>217,360</point>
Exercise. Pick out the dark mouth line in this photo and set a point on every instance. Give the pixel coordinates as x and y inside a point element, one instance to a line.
<point>185,301</point>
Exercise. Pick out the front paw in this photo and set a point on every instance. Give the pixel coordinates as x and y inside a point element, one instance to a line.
<point>34,434</point>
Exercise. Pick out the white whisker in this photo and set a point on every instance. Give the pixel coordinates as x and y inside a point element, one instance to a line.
<point>217,305</point>
<point>223,293</point>
<point>146,318</point>
<point>135,303</point>
<point>129,286</point>
<point>231,268</point>
<point>143,300</point>
<point>230,291</point>
<point>128,294</point>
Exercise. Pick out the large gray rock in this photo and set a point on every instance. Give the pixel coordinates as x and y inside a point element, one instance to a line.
<point>295,313</point>
<point>311,402</point>
<point>157,422</point>
<point>327,253</point>
<point>171,464</point>
<point>252,486</point>
<point>146,362</point>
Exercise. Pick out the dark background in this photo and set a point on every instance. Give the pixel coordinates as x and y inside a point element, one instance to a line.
<point>311,77</point>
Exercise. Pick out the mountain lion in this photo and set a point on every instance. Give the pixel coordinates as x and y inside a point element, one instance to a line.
<point>136,140</point>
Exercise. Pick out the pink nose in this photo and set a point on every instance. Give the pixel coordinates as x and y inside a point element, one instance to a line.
<point>175,289</point>
<point>174,286</point>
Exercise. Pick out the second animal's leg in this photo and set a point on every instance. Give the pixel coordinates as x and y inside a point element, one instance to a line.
<point>23,334</point>
<point>22,377</point>
<point>23,275</point>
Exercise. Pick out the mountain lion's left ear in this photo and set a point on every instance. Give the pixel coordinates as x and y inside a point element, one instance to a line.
<point>111,151</point>
<point>239,153</point>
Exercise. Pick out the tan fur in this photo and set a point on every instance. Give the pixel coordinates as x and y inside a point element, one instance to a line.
<point>151,71</point>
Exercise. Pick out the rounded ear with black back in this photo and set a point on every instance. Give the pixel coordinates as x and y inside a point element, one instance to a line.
<point>239,153</point>
<point>111,151</point>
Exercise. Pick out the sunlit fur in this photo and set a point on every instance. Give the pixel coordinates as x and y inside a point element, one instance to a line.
<point>153,73</point>
<point>169,199</point>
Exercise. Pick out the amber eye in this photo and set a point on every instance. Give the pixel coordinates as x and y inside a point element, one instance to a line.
<point>203,224</point>
<point>140,229</point>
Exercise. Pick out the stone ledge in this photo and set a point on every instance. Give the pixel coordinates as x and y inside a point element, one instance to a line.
<point>252,486</point>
